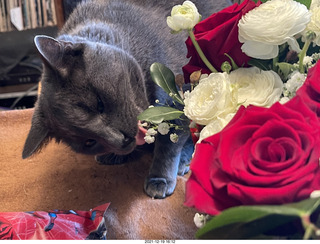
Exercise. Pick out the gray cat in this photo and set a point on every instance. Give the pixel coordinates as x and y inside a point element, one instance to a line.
<point>96,81</point>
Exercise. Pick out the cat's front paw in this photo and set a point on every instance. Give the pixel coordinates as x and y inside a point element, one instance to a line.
<point>159,187</point>
<point>183,169</point>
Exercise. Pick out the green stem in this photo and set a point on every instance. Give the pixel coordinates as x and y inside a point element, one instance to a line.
<point>302,54</point>
<point>308,232</point>
<point>274,64</point>
<point>201,54</point>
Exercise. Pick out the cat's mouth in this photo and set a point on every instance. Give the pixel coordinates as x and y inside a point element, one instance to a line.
<point>140,135</point>
<point>127,146</point>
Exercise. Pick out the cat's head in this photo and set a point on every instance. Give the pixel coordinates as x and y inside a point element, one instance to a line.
<point>90,97</point>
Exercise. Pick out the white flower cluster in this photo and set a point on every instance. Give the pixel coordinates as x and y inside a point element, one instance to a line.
<point>218,96</point>
<point>296,80</point>
<point>163,129</point>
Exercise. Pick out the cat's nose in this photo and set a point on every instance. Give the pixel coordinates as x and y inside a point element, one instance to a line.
<point>127,141</point>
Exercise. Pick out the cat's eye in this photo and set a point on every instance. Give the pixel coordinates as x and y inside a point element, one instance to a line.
<point>100,105</point>
<point>90,143</point>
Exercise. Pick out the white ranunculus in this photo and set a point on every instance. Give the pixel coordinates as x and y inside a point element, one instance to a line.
<point>214,97</point>
<point>314,24</point>
<point>183,17</point>
<point>273,23</point>
<point>215,126</point>
<point>314,4</point>
<point>257,87</point>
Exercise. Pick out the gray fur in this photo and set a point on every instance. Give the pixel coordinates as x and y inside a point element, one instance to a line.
<point>96,81</point>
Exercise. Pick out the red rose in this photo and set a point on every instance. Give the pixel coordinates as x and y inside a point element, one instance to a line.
<point>310,91</point>
<point>217,35</point>
<point>6,230</point>
<point>263,156</point>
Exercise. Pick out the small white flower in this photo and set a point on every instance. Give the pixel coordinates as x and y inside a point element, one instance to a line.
<point>267,26</point>
<point>307,60</point>
<point>257,87</point>
<point>293,84</point>
<point>213,97</point>
<point>200,220</point>
<point>174,137</point>
<point>149,139</point>
<point>315,194</point>
<point>183,17</point>
<point>151,132</point>
<point>163,128</point>
<point>283,100</point>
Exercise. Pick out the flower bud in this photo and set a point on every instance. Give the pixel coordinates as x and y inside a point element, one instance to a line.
<point>179,79</point>
<point>226,67</point>
<point>310,35</point>
<point>195,77</point>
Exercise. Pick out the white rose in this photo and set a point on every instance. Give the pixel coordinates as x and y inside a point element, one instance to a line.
<point>183,17</point>
<point>273,23</point>
<point>257,87</point>
<point>213,97</point>
<point>215,126</point>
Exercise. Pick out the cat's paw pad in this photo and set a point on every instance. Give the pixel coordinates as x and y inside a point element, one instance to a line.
<point>159,187</point>
<point>183,169</point>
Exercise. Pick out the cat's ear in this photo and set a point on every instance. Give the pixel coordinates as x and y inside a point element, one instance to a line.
<point>38,136</point>
<point>58,54</point>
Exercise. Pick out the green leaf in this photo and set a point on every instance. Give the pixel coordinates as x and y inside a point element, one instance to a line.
<point>261,1</point>
<point>254,221</point>
<point>285,69</point>
<point>164,78</point>
<point>261,64</point>
<point>307,3</point>
<point>158,114</point>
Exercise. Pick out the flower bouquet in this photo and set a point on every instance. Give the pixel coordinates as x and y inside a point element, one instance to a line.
<point>254,109</point>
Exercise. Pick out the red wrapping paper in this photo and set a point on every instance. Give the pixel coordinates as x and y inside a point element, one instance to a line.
<point>54,225</point>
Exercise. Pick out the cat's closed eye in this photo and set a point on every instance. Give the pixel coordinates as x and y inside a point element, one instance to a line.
<point>100,105</point>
